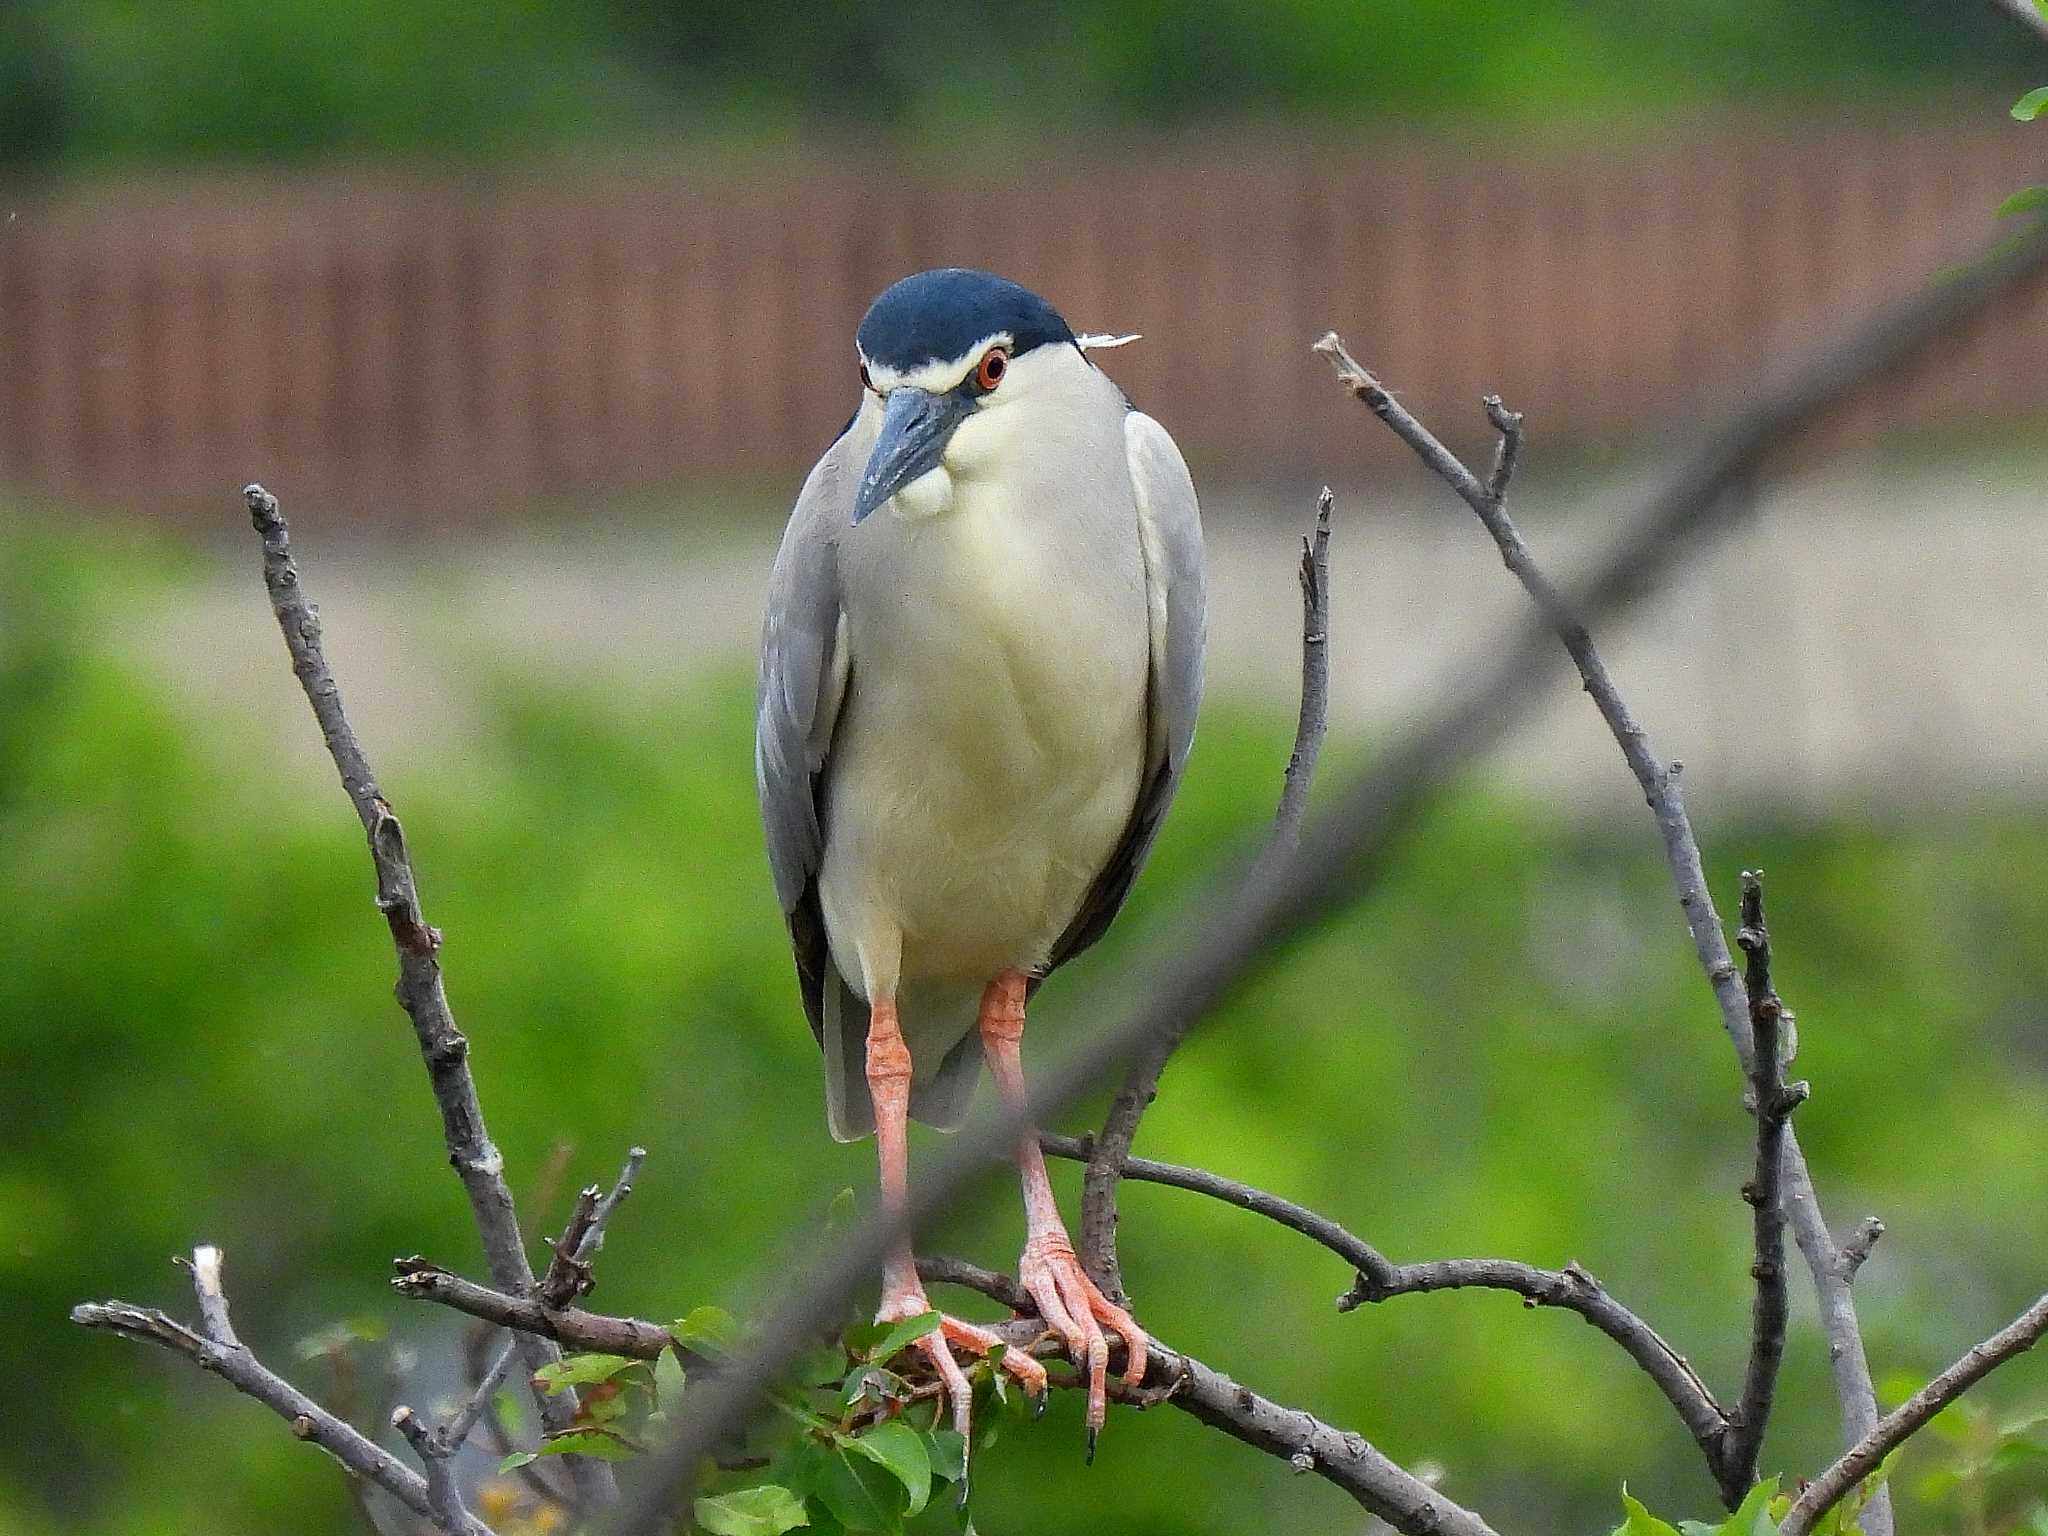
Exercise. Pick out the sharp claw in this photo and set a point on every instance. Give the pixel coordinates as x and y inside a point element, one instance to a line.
<point>1039,1400</point>
<point>961,1497</point>
<point>1092,1433</point>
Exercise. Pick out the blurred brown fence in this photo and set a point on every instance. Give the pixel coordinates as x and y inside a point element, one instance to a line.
<point>421,346</point>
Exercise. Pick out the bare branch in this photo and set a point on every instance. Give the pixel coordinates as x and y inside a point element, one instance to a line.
<point>216,1350</point>
<point>424,1280</point>
<point>1345,1459</point>
<point>444,1499</point>
<point>420,991</point>
<point>1379,1279</point>
<point>1721,474</point>
<point>1772,1101</point>
<point>1112,1144</point>
<point>1863,1458</point>
<point>1236,927</point>
<point>1312,724</point>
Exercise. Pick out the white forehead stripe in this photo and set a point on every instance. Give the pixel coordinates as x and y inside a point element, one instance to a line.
<point>934,377</point>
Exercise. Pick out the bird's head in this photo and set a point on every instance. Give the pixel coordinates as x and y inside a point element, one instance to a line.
<point>947,355</point>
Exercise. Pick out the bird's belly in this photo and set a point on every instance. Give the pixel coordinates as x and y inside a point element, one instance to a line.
<point>987,763</point>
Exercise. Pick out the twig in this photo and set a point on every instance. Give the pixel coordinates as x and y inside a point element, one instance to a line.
<point>422,1279</point>
<point>1863,1458</point>
<point>217,1350</point>
<point>444,1499</point>
<point>1236,927</point>
<point>1312,722</point>
<point>1112,1144</point>
<point>1772,1102</point>
<point>420,991</point>
<point>1379,1279</point>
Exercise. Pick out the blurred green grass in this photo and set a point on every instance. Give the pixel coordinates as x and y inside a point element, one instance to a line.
<point>1507,1049</point>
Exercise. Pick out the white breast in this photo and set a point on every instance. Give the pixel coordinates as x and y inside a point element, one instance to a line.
<point>993,737</point>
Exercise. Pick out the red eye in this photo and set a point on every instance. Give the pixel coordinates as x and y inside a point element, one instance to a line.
<point>995,362</point>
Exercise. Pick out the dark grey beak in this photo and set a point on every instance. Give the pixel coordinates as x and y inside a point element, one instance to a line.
<point>915,427</point>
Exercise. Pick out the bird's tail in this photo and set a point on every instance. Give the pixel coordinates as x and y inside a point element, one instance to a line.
<point>945,1054</point>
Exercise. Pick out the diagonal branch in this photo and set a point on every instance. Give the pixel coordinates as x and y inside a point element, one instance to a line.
<point>420,991</point>
<point>444,1499</point>
<point>1112,1144</point>
<point>1864,1458</point>
<point>215,1348</point>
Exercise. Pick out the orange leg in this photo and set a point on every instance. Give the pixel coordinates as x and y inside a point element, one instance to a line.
<point>1070,1303</point>
<point>903,1294</point>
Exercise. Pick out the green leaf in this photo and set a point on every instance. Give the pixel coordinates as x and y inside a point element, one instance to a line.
<point>582,1370</point>
<point>604,1444</point>
<point>1752,1517</point>
<point>768,1510</point>
<point>859,1494</point>
<point>2026,200</point>
<point>517,1460</point>
<point>669,1379</point>
<point>898,1448</point>
<point>948,1451</point>
<point>1640,1521</point>
<point>708,1330</point>
<point>901,1335</point>
<point>2031,105</point>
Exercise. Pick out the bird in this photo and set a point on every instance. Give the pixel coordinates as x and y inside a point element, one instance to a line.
<point>981,662</point>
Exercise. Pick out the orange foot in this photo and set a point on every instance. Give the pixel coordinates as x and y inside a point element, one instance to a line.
<point>953,1333</point>
<point>1073,1306</point>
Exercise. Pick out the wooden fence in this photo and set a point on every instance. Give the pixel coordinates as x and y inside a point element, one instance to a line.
<point>420,348</point>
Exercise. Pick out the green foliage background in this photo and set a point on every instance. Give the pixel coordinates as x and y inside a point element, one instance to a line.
<point>116,82</point>
<point>1507,1050</point>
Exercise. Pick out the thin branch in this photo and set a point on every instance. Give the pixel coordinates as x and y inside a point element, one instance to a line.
<point>420,991</point>
<point>444,1499</point>
<point>1772,1102</point>
<point>1863,1458</point>
<point>424,1280</point>
<point>1345,1459</point>
<point>1312,723</point>
<point>1237,926</point>
<point>217,1350</point>
<point>1112,1144</point>
<point>1379,1279</point>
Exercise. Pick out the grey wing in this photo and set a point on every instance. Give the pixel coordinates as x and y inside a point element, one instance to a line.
<point>1170,533</point>
<point>801,685</point>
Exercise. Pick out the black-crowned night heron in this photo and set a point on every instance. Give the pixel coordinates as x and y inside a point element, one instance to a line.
<point>980,667</point>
